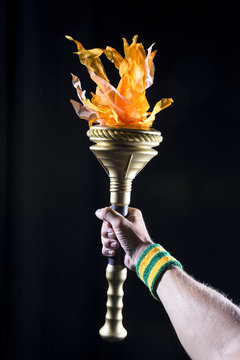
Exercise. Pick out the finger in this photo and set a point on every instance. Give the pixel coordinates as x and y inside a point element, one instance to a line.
<point>108,225</point>
<point>110,215</point>
<point>107,252</point>
<point>134,214</point>
<point>110,244</point>
<point>107,231</point>
<point>109,247</point>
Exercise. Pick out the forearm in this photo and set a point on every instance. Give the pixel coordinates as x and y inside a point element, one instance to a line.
<point>207,324</point>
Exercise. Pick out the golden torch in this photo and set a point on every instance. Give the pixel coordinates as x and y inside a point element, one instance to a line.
<point>124,142</point>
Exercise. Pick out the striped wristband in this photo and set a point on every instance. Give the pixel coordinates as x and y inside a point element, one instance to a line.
<point>151,265</point>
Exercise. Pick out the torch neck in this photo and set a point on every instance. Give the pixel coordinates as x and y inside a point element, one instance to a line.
<point>120,191</point>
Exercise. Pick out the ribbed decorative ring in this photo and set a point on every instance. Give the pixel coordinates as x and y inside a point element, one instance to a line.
<point>151,136</point>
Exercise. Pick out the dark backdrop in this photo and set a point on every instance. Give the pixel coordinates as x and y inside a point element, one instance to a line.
<point>52,280</point>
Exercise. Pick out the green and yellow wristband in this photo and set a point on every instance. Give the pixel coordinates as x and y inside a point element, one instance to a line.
<point>151,265</point>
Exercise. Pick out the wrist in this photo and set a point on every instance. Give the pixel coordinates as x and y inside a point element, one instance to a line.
<point>152,264</point>
<point>138,252</point>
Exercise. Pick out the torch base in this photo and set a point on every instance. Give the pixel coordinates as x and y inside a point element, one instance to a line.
<point>113,329</point>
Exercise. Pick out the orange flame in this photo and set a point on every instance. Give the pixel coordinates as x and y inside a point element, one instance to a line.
<point>125,106</point>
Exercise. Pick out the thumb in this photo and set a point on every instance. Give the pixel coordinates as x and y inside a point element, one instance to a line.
<point>110,215</point>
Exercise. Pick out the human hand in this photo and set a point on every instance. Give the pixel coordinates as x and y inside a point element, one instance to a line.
<point>130,233</point>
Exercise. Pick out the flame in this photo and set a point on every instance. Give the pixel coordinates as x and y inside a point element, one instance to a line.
<point>125,106</point>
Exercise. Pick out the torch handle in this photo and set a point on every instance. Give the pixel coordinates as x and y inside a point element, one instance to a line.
<point>118,258</point>
<point>116,274</point>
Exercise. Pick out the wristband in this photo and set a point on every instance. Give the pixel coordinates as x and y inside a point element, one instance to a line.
<point>151,265</point>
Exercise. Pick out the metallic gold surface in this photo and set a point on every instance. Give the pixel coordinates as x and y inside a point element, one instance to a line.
<point>123,153</point>
<point>113,329</point>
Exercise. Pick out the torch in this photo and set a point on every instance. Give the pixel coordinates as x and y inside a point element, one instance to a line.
<point>122,153</point>
<point>124,142</point>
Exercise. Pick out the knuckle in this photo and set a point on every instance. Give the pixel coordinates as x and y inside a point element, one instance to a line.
<point>107,252</point>
<point>107,212</point>
<point>135,212</point>
<point>105,242</point>
<point>138,212</point>
<point>104,251</point>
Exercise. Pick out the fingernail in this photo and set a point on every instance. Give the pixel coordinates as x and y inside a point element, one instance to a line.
<point>113,244</point>
<point>110,252</point>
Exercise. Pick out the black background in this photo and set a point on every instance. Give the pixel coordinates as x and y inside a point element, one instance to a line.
<point>52,281</point>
